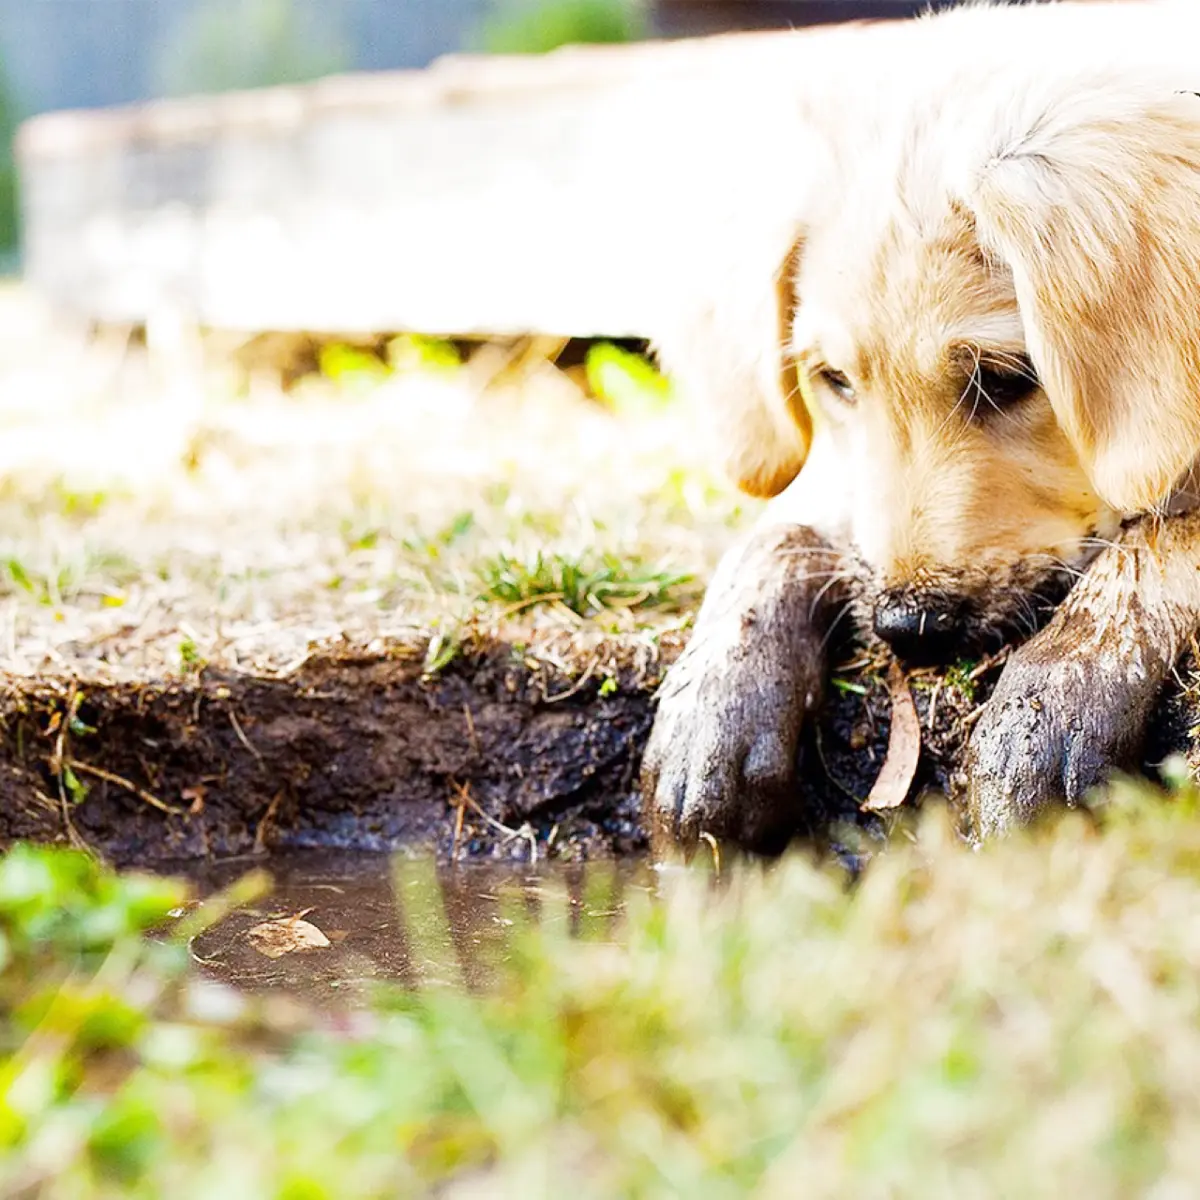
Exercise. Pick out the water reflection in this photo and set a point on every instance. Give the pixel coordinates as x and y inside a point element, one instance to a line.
<point>404,920</point>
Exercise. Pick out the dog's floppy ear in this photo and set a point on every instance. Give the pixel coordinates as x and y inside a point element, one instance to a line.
<point>1092,199</point>
<point>741,158</point>
<point>726,350</point>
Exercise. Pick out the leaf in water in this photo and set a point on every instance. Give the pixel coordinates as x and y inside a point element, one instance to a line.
<point>287,935</point>
<point>904,748</point>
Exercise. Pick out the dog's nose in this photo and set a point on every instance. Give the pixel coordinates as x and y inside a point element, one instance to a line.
<point>922,631</point>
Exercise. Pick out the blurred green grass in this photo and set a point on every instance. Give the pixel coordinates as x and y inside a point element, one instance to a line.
<point>538,26</point>
<point>224,45</point>
<point>9,204</point>
<point>1024,1021</point>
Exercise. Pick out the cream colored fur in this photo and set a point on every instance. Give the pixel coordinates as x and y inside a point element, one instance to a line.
<point>996,181</point>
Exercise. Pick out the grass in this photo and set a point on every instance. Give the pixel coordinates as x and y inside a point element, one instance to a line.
<point>538,26</point>
<point>150,502</point>
<point>9,192</point>
<point>586,584</point>
<point>1023,1021</point>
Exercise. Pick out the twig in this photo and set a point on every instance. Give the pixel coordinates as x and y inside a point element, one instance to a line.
<point>109,777</point>
<point>992,660</point>
<point>459,817</point>
<point>464,797</point>
<point>474,737</point>
<point>578,685</point>
<point>931,715</point>
<point>527,832</point>
<point>241,736</point>
<point>56,766</point>
<point>837,783</point>
<point>260,834</point>
<point>518,606</point>
<point>714,846</point>
<point>973,716</point>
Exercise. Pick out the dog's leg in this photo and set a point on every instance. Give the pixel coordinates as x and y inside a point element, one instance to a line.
<point>721,757</point>
<point>1073,703</point>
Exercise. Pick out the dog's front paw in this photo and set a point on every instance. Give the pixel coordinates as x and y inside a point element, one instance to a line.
<point>1059,723</point>
<point>722,756</point>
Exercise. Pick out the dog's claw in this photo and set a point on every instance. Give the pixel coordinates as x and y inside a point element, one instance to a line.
<point>709,768</point>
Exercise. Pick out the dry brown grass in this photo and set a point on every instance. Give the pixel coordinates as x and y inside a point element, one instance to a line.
<point>161,509</point>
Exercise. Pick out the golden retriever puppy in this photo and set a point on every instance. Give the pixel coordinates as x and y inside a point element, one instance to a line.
<point>941,296</point>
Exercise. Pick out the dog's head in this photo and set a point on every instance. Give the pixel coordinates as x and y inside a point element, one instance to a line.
<point>985,325</point>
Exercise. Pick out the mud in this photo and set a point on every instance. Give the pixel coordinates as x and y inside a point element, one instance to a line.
<point>404,920</point>
<point>497,757</point>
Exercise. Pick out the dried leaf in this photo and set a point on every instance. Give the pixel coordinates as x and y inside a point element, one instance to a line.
<point>195,798</point>
<point>287,935</point>
<point>904,748</point>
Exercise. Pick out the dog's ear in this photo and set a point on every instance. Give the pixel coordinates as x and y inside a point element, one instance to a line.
<point>739,168</point>
<point>1092,199</point>
<point>726,350</point>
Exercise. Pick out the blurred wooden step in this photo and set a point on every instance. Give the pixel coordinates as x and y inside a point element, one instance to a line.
<point>480,196</point>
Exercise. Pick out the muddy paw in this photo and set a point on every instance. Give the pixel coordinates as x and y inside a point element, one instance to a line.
<point>722,755</point>
<point>1058,724</point>
<point>721,758</point>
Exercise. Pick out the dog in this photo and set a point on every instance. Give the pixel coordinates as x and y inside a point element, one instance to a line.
<point>942,302</point>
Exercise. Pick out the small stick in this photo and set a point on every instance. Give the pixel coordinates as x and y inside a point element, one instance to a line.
<point>973,716</point>
<point>578,685</point>
<point>109,777</point>
<point>241,736</point>
<point>459,817</point>
<point>715,848</point>
<point>933,703</point>
<point>264,825</point>
<point>531,837</point>
<point>56,765</point>
<point>993,660</point>
<point>471,729</point>
<point>464,797</point>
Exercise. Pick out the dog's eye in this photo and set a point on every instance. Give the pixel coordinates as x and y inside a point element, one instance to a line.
<point>999,387</point>
<point>839,383</point>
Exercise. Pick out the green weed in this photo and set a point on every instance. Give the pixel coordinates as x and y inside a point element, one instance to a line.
<point>190,658</point>
<point>626,382</point>
<point>412,352</point>
<point>351,366</point>
<point>538,26</point>
<point>586,584</point>
<point>960,678</point>
<point>444,647</point>
<point>98,574</point>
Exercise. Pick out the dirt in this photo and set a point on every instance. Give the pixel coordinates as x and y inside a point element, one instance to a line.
<point>352,751</point>
<point>498,756</point>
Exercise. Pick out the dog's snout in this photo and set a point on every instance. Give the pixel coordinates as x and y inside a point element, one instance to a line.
<point>921,630</point>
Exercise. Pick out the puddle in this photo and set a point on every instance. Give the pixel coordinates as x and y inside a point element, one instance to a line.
<point>397,920</point>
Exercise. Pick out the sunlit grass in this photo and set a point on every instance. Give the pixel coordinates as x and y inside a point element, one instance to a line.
<point>395,488</point>
<point>586,584</point>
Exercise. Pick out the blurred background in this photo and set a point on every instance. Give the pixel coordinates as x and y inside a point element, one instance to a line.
<point>58,54</point>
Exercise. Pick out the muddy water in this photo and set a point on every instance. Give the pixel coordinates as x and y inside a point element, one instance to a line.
<point>346,922</point>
